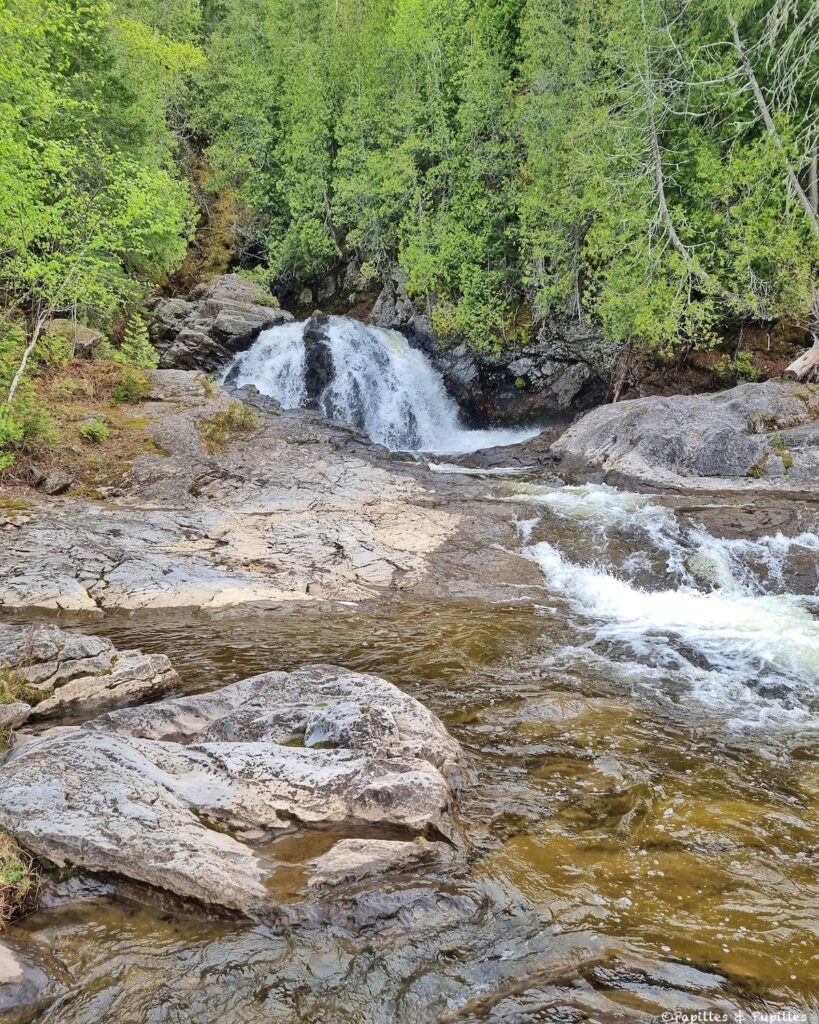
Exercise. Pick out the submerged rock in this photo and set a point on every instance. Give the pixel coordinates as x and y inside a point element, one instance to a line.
<point>65,673</point>
<point>165,793</point>
<point>754,435</point>
<point>353,859</point>
<point>29,980</point>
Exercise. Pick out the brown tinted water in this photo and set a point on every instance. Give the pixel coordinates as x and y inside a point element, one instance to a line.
<point>634,853</point>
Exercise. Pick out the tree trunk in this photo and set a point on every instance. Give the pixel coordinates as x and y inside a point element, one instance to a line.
<point>809,207</point>
<point>36,331</point>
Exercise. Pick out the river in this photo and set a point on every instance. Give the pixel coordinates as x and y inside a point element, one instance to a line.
<point>641,831</point>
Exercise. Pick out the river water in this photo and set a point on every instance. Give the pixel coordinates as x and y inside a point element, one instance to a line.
<point>642,831</point>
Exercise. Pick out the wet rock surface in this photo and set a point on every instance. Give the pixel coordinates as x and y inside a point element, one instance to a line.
<point>165,793</point>
<point>752,436</point>
<point>206,330</point>
<point>66,673</point>
<point>353,859</point>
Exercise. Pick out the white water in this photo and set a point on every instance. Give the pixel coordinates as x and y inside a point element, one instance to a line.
<point>739,646</point>
<point>381,385</point>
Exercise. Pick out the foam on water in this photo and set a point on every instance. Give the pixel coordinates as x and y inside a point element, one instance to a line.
<point>712,615</point>
<point>381,385</point>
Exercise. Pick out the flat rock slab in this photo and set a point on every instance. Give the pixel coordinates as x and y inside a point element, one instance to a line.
<point>68,673</point>
<point>751,437</point>
<point>165,793</point>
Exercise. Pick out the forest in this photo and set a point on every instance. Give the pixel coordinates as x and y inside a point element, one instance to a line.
<point>651,164</point>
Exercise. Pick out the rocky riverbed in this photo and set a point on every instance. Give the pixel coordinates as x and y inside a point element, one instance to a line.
<point>326,730</point>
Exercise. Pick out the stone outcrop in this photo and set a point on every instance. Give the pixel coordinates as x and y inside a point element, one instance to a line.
<point>206,330</point>
<point>319,368</point>
<point>297,508</point>
<point>565,368</point>
<point>84,341</point>
<point>755,435</point>
<point>68,673</point>
<point>171,793</point>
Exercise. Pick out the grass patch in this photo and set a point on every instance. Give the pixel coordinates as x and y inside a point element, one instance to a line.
<point>208,384</point>
<point>131,389</point>
<point>219,430</point>
<point>19,881</point>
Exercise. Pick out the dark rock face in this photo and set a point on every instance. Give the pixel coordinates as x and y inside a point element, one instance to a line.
<point>206,330</point>
<point>566,369</point>
<point>319,368</point>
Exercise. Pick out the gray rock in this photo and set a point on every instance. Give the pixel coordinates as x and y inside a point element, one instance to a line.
<point>299,509</point>
<point>352,859</point>
<point>205,331</point>
<point>84,340</point>
<point>72,673</point>
<point>754,435</point>
<point>12,715</point>
<point>157,793</point>
<point>59,481</point>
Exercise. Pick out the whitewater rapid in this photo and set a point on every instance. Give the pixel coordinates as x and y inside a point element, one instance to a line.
<point>707,617</point>
<point>380,384</point>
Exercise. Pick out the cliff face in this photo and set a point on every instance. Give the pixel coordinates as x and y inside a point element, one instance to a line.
<point>565,369</point>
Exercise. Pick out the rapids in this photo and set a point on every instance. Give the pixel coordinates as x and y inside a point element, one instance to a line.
<point>380,384</point>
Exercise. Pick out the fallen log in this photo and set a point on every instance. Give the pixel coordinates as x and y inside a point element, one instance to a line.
<point>805,366</point>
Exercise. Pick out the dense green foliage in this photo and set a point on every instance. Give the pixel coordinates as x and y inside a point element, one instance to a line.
<point>93,207</point>
<point>514,155</point>
<point>650,162</point>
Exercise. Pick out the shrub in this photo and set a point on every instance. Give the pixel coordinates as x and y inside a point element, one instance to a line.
<point>208,382</point>
<point>25,428</point>
<point>135,349</point>
<point>222,427</point>
<point>131,389</point>
<point>94,431</point>
<point>19,882</point>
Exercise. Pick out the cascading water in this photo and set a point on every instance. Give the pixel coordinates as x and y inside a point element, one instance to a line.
<point>692,613</point>
<point>378,383</point>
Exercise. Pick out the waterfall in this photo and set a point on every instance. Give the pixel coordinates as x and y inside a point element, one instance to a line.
<point>377,383</point>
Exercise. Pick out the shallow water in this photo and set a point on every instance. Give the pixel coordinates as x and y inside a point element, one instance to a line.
<point>643,827</point>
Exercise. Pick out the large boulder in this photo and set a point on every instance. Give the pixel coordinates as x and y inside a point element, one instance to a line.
<point>171,794</point>
<point>67,673</point>
<point>565,368</point>
<point>84,341</point>
<point>206,330</point>
<point>760,435</point>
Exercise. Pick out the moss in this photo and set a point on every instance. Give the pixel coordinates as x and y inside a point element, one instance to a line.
<point>19,881</point>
